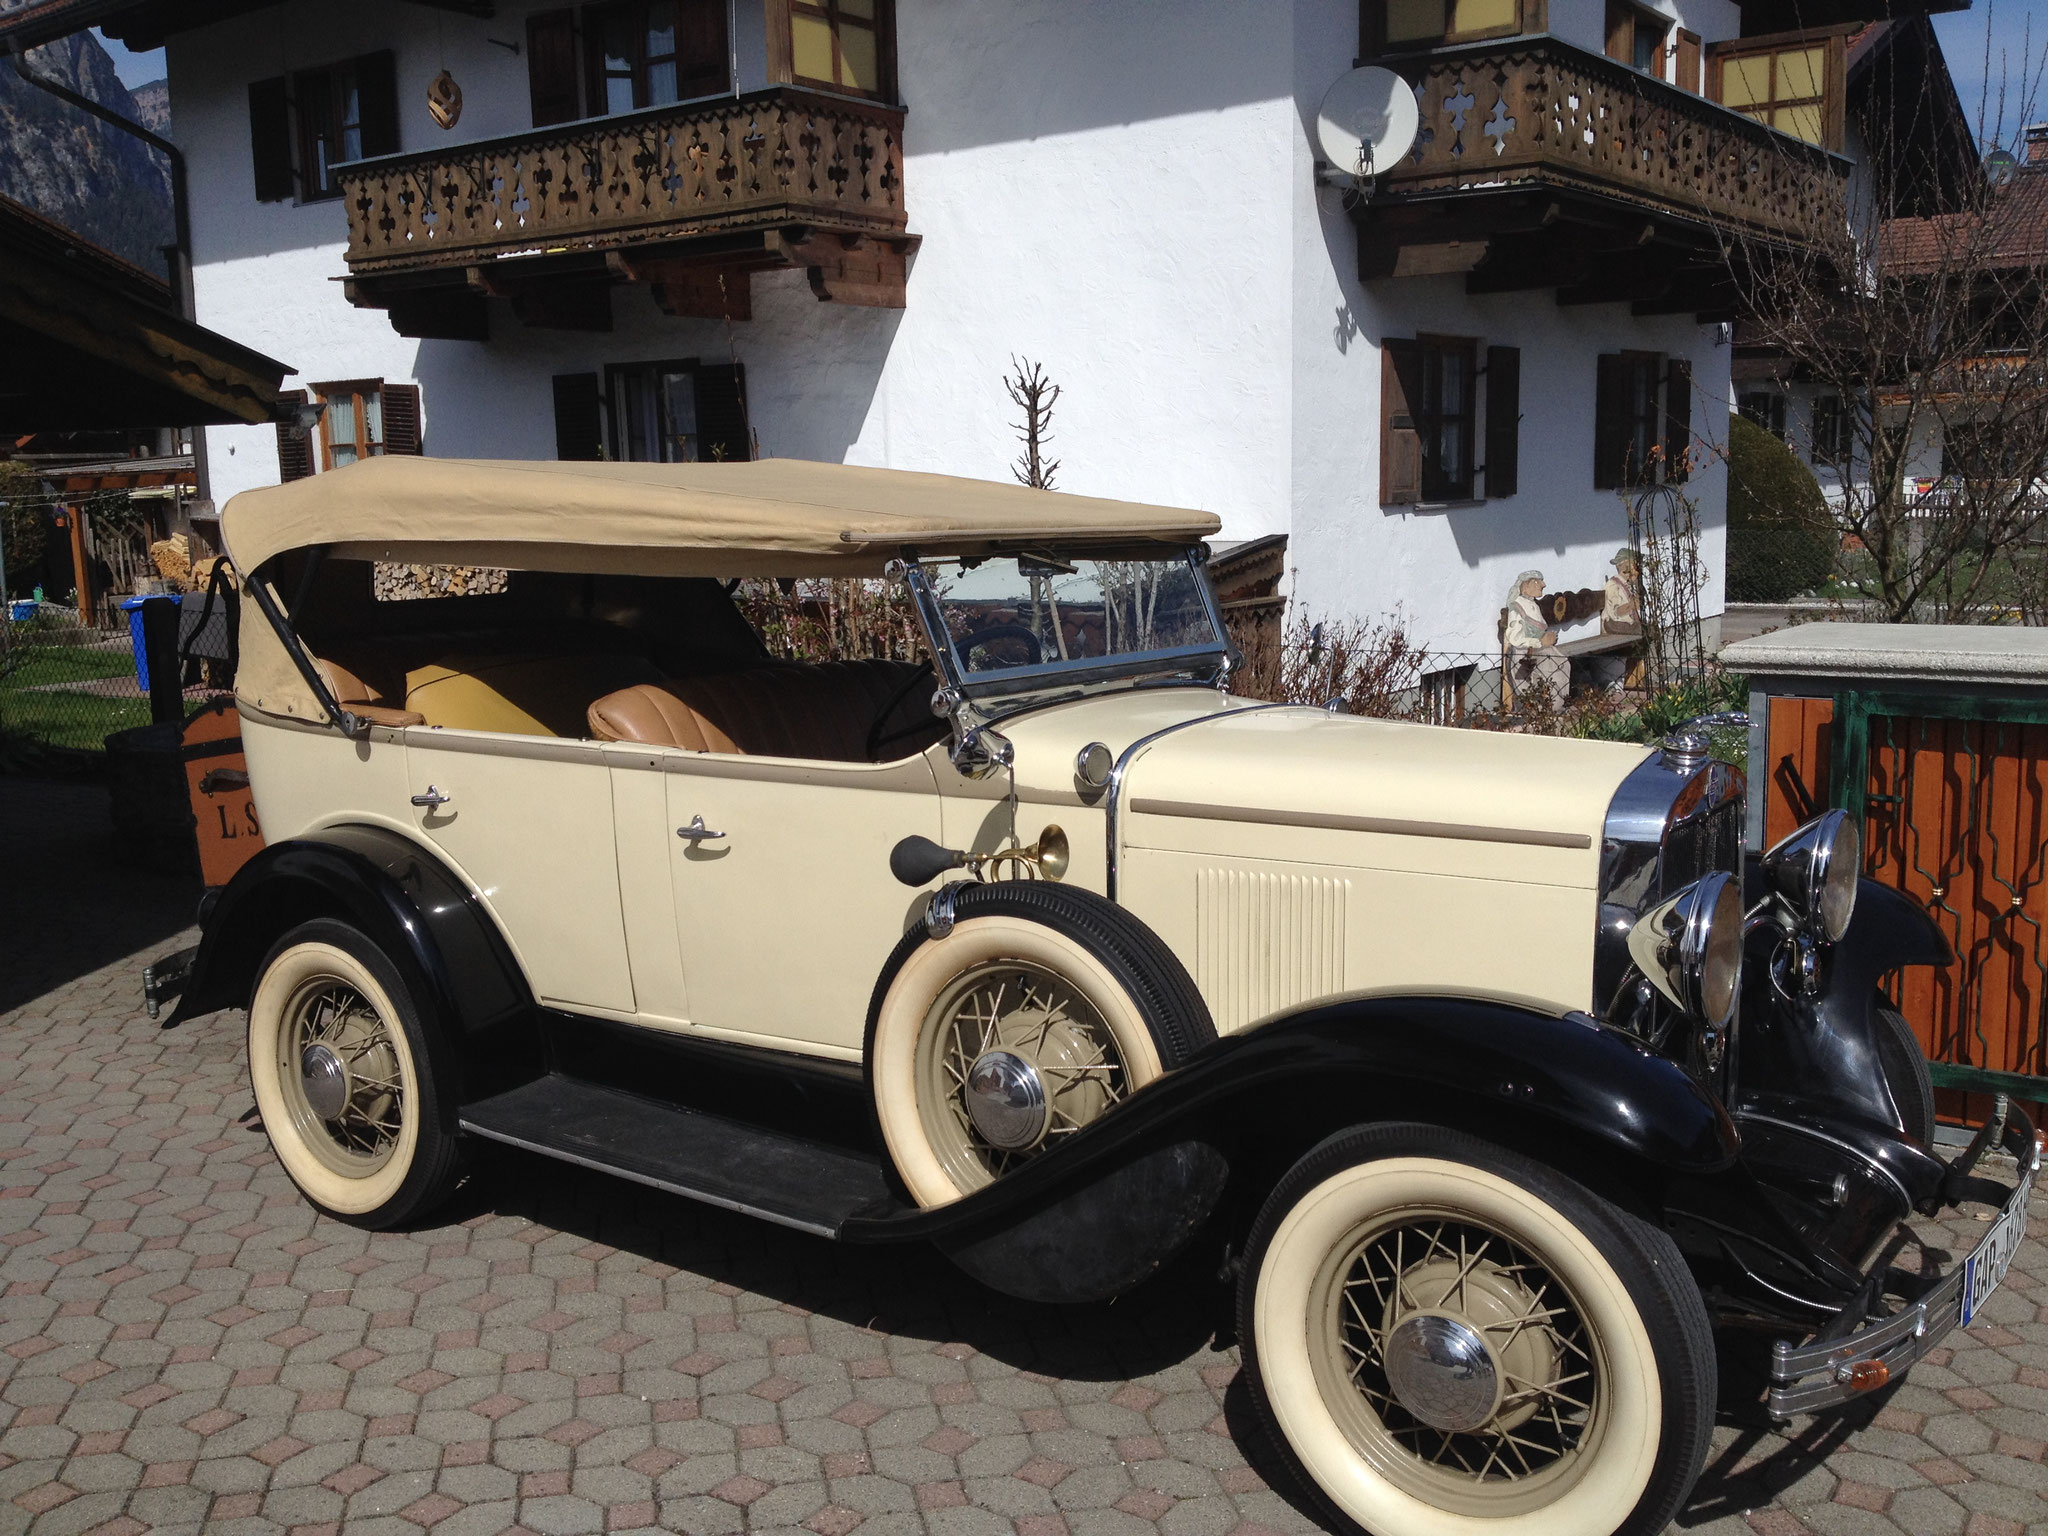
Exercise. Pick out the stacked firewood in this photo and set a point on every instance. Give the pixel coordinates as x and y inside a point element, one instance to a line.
<point>396,583</point>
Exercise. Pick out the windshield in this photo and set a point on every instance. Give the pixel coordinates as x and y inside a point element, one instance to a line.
<point>1030,622</point>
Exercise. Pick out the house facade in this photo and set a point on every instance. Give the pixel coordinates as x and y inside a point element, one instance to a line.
<point>719,228</point>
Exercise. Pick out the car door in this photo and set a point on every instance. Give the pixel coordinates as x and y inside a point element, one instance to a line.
<point>527,821</point>
<point>785,908</point>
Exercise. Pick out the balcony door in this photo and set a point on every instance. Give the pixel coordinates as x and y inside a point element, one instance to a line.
<point>624,56</point>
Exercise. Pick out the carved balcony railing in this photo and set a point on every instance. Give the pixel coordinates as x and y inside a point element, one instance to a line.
<point>1535,111</point>
<point>773,158</point>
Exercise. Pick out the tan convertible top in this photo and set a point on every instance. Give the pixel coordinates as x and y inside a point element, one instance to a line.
<point>774,517</point>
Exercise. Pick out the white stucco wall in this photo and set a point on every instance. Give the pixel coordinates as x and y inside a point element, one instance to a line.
<point>1121,193</point>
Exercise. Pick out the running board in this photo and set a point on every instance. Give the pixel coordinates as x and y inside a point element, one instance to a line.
<point>808,1185</point>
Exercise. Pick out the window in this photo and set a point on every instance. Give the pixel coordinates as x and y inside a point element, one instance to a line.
<point>1429,396</point>
<point>351,423</point>
<point>1408,23</point>
<point>644,53</point>
<point>1792,82</point>
<point>304,125</point>
<point>653,413</point>
<point>1834,431</point>
<point>357,419</point>
<point>844,45</point>
<point>678,412</point>
<point>1635,37</point>
<point>1642,420</point>
<point>1765,407</point>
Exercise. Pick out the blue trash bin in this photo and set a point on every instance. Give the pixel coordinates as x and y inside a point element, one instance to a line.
<point>132,606</point>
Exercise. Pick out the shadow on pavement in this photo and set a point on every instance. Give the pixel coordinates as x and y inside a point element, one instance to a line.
<point>69,905</point>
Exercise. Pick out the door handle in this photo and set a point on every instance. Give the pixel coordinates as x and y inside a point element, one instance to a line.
<point>431,798</point>
<point>696,831</point>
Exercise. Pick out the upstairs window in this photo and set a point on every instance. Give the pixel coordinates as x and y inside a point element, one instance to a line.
<point>1401,24</point>
<point>843,45</point>
<point>1635,37</point>
<point>1793,82</point>
<point>1765,407</point>
<point>1834,431</point>
<point>622,57</point>
<point>303,125</point>
<point>678,412</point>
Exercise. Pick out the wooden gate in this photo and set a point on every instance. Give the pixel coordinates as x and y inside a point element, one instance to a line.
<point>1951,793</point>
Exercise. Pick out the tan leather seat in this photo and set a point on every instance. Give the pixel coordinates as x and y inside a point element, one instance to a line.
<point>359,698</point>
<point>822,712</point>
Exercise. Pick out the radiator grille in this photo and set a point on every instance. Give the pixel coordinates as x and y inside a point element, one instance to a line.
<point>1265,942</point>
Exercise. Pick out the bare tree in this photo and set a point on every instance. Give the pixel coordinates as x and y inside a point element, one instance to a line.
<point>1035,395</point>
<point>1917,321</point>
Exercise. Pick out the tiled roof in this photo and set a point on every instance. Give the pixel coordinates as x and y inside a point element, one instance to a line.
<point>2013,229</point>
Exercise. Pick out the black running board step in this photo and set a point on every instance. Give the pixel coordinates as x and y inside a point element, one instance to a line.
<point>785,1179</point>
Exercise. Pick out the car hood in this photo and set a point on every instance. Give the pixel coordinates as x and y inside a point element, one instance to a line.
<point>1300,782</point>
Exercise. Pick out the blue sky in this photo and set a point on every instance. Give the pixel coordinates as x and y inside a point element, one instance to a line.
<point>2004,23</point>
<point>134,68</point>
<point>2017,34</point>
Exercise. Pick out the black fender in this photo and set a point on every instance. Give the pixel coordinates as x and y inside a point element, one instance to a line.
<point>1819,1051</point>
<point>428,923</point>
<point>1566,1088</point>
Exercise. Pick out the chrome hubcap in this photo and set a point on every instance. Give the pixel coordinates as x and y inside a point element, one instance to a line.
<point>1006,1101</point>
<point>1442,1372</point>
<point>324,1081</point>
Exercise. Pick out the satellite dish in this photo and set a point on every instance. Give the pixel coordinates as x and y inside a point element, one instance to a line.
<point>2000,167</point>
<point>1366,123</point>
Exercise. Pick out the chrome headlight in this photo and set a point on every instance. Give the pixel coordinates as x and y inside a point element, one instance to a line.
<point>1814,873</point>
<point>1690,947</point>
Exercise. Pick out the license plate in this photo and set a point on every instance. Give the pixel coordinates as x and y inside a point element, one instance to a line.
<point>1987,1266</point>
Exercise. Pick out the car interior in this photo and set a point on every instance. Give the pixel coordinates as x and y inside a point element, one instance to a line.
<point>659,661</point>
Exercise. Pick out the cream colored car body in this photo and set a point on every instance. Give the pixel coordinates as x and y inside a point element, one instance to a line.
<point>1288,856</point>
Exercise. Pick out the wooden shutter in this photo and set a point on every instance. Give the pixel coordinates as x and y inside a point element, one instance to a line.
<point>1689,61</point>
<point>1677,419</point>
<point>579,426</point>
<point>1503,420</point>
<point>551,67</point>
<point>1400,442</point>
<point>402,418</point>
<point>1621,31</point>
<point>377,98</point>
<point>703,55</point>
<point>722,431</point>
<point>294,442</point>
<point>1610,421</point>
<point>270,140</point>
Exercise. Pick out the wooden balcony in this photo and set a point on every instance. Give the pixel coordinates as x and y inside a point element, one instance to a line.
<point>1541,165</point>
<point>690,199</point>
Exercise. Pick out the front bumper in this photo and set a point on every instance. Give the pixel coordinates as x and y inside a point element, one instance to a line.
<point>1838,1366</point>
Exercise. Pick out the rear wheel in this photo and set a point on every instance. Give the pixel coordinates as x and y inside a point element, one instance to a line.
<point>1448,1339</point>
<point>345,1079</point>
<point>1905,1071</point>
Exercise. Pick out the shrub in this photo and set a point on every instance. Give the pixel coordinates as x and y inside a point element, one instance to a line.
<point>1781,541</point>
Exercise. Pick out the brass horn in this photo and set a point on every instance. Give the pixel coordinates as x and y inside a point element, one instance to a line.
<point>1047,858</point>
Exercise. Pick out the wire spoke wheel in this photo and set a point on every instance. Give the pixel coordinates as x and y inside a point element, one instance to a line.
<point>1456,1362</point>
<point>1011,1060</point>
<point>340,1076</point>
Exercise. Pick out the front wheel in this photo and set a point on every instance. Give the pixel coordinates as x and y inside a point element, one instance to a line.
<point>346,1080</point>
<point>1448,1339</point>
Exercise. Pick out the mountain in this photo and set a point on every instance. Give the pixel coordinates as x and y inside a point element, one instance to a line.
<point>153,106</point>
<point>104,185</point>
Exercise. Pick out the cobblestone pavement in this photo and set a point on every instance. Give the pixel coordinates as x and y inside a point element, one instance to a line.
<point>185,1345</point>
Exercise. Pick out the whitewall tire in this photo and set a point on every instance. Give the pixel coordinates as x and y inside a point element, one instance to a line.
<point>1038,1012</point>
<point>345,1080</point>
<point>1448,1339</point>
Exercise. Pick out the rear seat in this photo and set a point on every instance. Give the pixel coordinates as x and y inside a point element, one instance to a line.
<point>821,712</point>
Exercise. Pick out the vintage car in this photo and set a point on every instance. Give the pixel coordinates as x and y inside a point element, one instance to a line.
<point>1483,1064</point>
